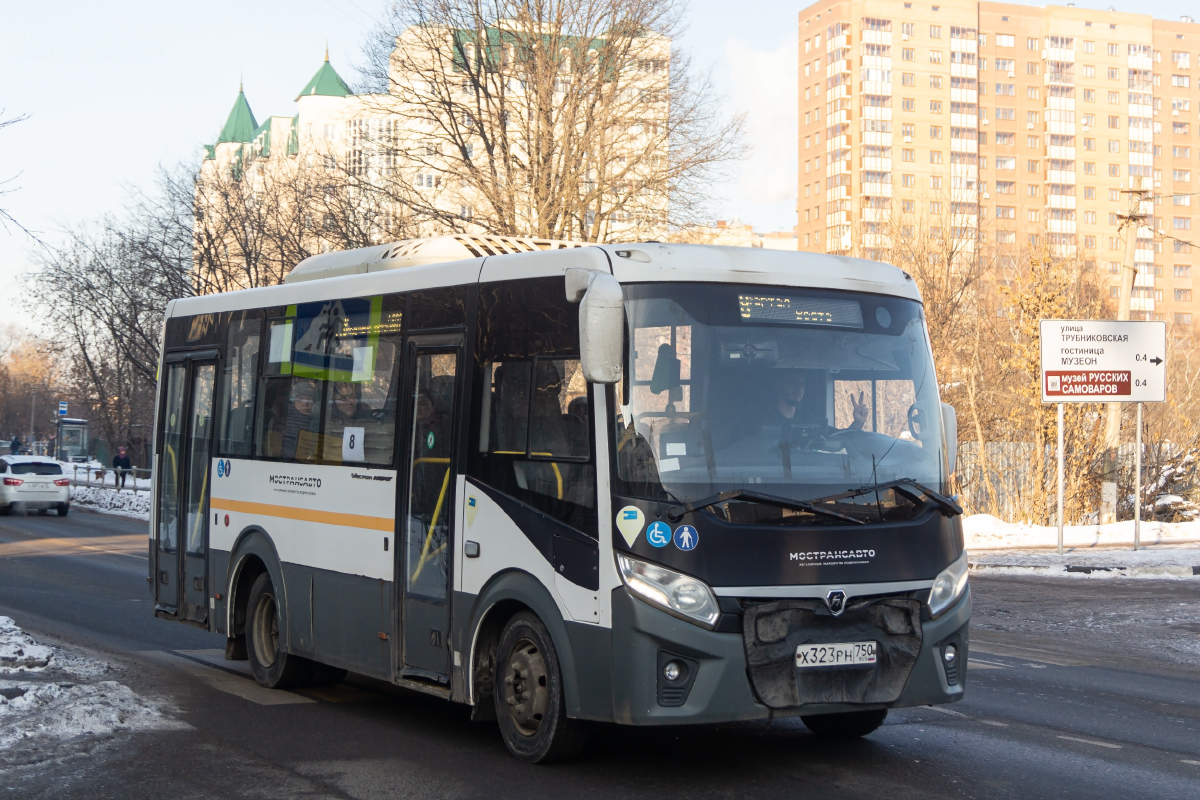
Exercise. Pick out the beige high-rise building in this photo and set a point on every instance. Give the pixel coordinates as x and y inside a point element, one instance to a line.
<point>1003,125</point>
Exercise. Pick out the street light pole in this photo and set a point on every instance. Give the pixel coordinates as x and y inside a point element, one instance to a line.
<point>1130,223</point>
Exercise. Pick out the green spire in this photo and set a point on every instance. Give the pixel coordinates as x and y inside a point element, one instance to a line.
<point>326,82</point>
<point>241,123</point>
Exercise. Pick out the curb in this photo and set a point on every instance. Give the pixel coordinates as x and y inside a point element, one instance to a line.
<point>1124,572</point>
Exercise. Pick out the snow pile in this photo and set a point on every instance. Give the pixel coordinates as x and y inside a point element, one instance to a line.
<point>110,501</point>
<point>55,703</point>
<point>60,711</point>
<point>19,652</point>
<point>985,532</point>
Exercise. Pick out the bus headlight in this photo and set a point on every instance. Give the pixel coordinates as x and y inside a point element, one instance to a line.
<point>949,586</point>
<point>673,592</point>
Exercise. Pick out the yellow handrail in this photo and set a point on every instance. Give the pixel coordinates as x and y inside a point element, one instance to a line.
<point>437,511</point>
<point>553,464</point>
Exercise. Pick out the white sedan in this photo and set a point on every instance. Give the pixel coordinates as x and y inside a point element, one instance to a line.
<point>33,482</point>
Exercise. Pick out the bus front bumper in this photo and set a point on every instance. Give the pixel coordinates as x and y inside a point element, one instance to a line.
<point>716,686</point>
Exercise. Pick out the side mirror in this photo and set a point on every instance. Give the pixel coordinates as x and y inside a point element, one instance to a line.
<point>950,426</point>
<point>601,323</point>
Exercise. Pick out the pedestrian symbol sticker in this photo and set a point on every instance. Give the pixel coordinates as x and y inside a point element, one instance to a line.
<point>658,534</point>
<point>629,522</point>
<point>686,537</point>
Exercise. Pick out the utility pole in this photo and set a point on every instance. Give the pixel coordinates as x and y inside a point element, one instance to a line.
<point>1129,225</point>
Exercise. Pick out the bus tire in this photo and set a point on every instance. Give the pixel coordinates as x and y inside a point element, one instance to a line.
<point>530,705</point>
<point>272,667</point>
<point>847,725</point>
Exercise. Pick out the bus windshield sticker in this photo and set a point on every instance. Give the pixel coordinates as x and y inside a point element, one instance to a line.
<point>629,522</point>
<point>801,310</point>
<point>352,444</point>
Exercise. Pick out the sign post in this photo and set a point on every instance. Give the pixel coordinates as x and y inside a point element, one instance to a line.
<point>1103,361</point>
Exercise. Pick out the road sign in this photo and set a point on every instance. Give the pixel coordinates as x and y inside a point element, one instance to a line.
<point>1103,361</point>
<point>62,408</point>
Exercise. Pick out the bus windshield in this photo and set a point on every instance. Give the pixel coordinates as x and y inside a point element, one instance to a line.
<point>795,394</point>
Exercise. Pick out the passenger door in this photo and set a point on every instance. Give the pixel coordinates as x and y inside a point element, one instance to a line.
<point>426,518</point>
<point>185,456</point>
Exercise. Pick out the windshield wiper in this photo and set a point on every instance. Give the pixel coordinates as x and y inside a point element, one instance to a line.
<point>905,487</point>
<point>675,513</point>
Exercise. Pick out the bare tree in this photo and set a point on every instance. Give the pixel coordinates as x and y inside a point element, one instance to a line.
<point>6,217</point>
<point>552,118</point>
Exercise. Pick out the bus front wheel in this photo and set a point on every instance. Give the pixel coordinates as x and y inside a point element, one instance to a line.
<point>848,725</point>
<point>530,705</point>
<point>272,667</point>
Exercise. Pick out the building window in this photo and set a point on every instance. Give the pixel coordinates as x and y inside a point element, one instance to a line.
<point>1006,162</point>
<point>935,31</point>
<point>1089,193</point>
<point>1183,295</point>
<point>907,54</point>
<point>908,129</point>
<point>935,156</point>
<point>1112,50</point>
<point>935,81</point>
<point>1031,141</point>
<point>908,104</point>
<point>1031,68</point>
<point>908,155</point>
<point>908,28</point>
<point>1006,89</point>
<point>1032,92</point>
<point>935,106</point>
<point>1006,114</point>
<point>908,181</point>
<point>935,182</point>
<point>1006,187</point>
<point>1182,271</point>
<point>1006,212</point>
<point>1181,174</point>
<point>1089,217</point>
<point>1182,81</point>
<point>935,131</point>
<point>908,206</point>
<point>1005,40</point>
<point>1181,223</point>
<point>935,56</point>
<point>1114,74</point>
<point>908,79</point>
<point>1183,318</point>
<point>1181,152</point>
<point>1179,128</point>
<point>1089,242</point>
<point>1033,44</point>
<point>1114,122</point>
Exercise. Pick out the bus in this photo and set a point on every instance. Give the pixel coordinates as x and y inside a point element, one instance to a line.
<point>641,484</point>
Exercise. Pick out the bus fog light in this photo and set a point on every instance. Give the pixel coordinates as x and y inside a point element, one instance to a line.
<point>948,586</point>
<point>673,592</point>
<point>950,654</point>
<point>672,671</point>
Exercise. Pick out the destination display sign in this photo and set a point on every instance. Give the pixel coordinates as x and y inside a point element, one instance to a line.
<point>1090,361</point>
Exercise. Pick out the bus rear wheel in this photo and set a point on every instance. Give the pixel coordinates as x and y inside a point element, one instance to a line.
<point>530,705</point>
<point>272,667</point>
<point>848,725</point>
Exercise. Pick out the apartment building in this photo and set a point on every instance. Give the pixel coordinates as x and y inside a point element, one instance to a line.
<point>1003,126</point>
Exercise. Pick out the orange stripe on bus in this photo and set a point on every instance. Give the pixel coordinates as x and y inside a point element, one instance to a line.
<point>305,515</point>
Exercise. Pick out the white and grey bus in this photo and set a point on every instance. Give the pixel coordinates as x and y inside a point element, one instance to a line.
<point>641,484</point>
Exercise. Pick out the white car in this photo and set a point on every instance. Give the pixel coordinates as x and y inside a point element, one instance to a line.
<point>33,482</point>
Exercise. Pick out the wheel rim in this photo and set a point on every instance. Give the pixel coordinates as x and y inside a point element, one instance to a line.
<point>266,631</point>
<point>526,686</point>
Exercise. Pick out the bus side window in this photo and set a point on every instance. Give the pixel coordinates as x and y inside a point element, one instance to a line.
<point>532,412</point>
<point>239,384</point>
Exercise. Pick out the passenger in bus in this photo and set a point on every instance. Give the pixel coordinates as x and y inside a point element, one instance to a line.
<point>300,430</point>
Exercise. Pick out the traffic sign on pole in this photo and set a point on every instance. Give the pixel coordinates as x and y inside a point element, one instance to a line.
<point>62,408</point>
<point>1090,361</point>
<point>1103,361</point>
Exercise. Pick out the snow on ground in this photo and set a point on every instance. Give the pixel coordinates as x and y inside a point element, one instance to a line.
<point>985,532</point>
<point>123,503</point>
<point>60,699</point>
<point>1163,562</point>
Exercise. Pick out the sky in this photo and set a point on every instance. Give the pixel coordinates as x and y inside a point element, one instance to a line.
<point>114,90</point>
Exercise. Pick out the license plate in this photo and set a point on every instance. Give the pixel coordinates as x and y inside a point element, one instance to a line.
<point>840,654</point>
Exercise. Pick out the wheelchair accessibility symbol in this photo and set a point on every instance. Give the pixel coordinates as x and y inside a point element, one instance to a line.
<point>658,534</point>
<point>686,537</point>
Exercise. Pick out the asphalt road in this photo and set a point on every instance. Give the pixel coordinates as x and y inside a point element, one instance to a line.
<point>1057,705</point>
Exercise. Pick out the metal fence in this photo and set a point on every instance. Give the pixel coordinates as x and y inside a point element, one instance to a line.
<point>107,477</point>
